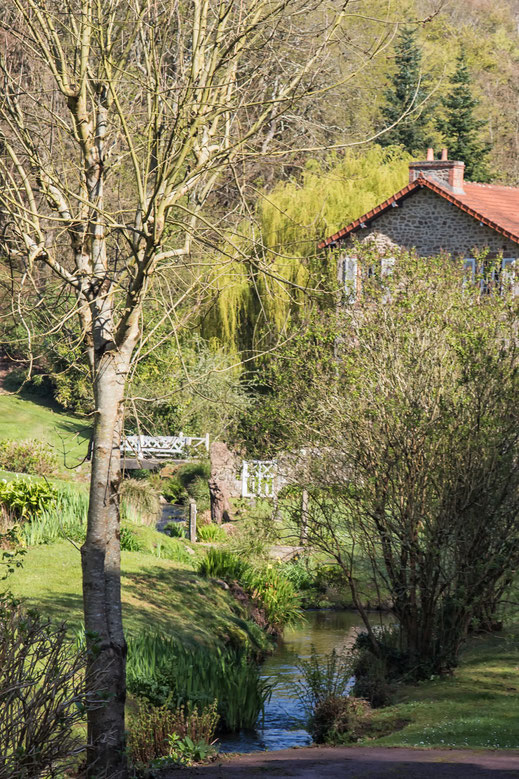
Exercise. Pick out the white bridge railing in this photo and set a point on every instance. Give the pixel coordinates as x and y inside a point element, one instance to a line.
<point>258,479</point>
<point>164,447</point>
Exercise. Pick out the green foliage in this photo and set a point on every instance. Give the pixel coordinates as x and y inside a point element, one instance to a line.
<point>324,678</point>
<point>65,517</point>
<point>29,456</point>
<point>174,491</point>
<point>266,586</point>
<point>129,541</point>
<point>169,674</point>
<point>461,129</point>
<point>405,95</point>
<point>21,499</point>
<point>213,533</point>
<point>185,734</point>
<point>175,529</point>
<point>290,220</point>
<point>339,720</point>
<point>139,501</point>
<point>274,594</point>
<point>222,564</point>
<point>194,385</point>
<point>299,574</point>
<point>375,672</point>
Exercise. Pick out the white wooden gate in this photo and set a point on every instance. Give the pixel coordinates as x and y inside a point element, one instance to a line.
<point>258,479</point>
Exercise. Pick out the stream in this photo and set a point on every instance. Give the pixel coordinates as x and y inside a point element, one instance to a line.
<point>283,724</point>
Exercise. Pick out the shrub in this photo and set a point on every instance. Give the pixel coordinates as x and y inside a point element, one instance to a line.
<point>129,541</point>
<point>296,572</point>
<point>375,673</point>
<point>266,586</point>
<point>175,530</point>
<point>41,695</point>
<point>274,594</point>
<point>213,533</point>
<point>31,456</point>
<point>22,499</point>
<point>324,678</point>
<point>174,492</point>
<point>158,731</point>
<point>338,720</point>
<point>139,501</point>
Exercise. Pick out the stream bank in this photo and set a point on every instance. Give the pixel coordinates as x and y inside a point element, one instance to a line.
<point>283,725</point>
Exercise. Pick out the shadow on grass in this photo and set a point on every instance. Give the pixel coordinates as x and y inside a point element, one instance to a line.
<point>179,602</point>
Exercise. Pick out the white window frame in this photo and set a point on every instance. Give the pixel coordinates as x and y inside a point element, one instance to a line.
<point>349,266</point>
<point>509,275</point>
<point>386,269</point>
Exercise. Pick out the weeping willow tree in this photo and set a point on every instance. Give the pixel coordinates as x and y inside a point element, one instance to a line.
<point>269,272</point>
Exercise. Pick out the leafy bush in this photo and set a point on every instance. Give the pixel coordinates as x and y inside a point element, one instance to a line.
<point>266,586</point>
<point>297,572</point>
<point>274,594</point>
<point>175,529</point>
<point>338,720</point>
<point>129,541</point>
<point>22,499</point>
<point>213,533</point>
<point>172,675</point>
<point>374,674</point>
<point>139,501</point>
<point>41,695</point>
<point>184,734</point>
<point>174,491</point>
<point>31,456</point>
<point>323,678</point>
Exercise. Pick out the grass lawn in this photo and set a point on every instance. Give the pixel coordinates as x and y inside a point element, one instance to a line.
<point>157,595</point>
<point>478,707</point>
<point>21,419</point>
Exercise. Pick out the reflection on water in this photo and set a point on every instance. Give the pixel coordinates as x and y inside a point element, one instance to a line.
<point>283,725</point>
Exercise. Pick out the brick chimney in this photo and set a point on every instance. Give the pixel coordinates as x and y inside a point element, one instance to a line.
<point>448,173</point>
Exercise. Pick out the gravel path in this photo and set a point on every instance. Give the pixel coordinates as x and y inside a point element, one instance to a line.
<point>360,763</point>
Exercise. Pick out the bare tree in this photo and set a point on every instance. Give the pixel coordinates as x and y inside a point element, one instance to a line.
<point>116,119</point>
<point>407,426</point>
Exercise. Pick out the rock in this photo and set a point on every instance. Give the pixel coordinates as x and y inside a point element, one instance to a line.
<point>223,483</point>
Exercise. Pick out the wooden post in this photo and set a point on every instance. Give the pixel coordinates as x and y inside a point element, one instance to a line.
<point>304,517</point>
<point>192,521</point>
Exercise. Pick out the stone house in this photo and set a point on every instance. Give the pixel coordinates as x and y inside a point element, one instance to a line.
<point>437,212</point>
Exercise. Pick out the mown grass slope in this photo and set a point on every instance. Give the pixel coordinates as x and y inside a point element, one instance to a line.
<point>477,707</point>
<point>158,595</point>
<point>22,419</point>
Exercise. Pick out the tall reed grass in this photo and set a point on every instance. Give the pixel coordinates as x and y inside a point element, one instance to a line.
<point>266,585</point>
<point>165,672</point>
<point>67,518</point>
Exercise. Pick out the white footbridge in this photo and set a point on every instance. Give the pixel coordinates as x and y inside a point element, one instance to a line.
<point>159,448</point>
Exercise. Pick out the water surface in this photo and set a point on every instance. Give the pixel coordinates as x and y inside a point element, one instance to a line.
<point>283,724</point>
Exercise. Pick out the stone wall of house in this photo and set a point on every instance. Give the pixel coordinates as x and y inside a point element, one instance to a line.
<point>430,224</point>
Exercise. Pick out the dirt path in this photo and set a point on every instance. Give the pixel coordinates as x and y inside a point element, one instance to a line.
<point>360,763</point>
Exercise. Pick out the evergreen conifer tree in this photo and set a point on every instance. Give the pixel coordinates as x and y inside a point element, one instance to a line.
<point>407,93</point>
<point>460,127</point>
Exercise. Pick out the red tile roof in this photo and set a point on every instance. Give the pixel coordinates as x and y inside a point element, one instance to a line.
<point>493,205</point>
